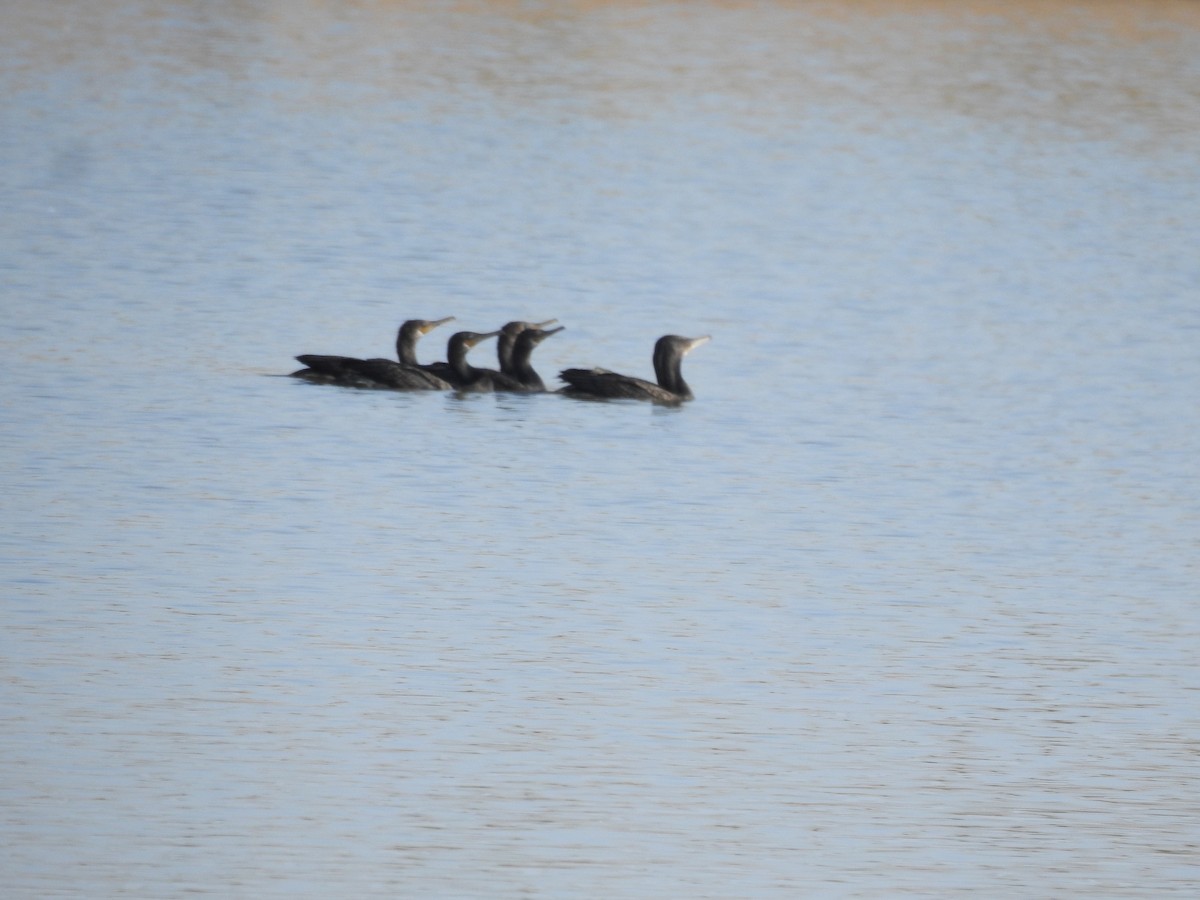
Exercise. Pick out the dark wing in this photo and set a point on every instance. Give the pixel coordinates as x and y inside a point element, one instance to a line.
<point>341,370</point>
<point>502,382</point>
<point>367,373</point>
<point>442,370</point>
<point>388,374</point>
<point>602,383</point>
<point>488,380</point>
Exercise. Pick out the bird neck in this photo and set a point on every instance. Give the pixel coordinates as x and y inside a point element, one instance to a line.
<point>504,354</point>
<point>522,370</point>
<point>406,348</point>
<point>668,372</point>
<point>458,363</point>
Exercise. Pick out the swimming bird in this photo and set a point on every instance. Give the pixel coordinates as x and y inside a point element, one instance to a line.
<point>669,351</point>
<point>408,335</point>
<point>459,373</point>
<point>508,339</point>
<point>505,342</point>
<point>520,376</point>
<point>405,375</point>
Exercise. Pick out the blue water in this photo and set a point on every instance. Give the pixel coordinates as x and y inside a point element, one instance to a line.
<point>904,603</point>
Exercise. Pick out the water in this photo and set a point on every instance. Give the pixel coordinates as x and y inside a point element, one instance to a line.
<point>903,603</point>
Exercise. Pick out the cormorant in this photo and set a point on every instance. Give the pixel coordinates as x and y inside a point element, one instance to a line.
<point>405,375</point>
<point>508,339</point>
<point>460,373</point>
<point>669,351</point>
<point>520,376</point>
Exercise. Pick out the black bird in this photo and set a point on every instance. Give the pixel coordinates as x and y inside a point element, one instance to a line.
<point>405,375</point>
<point>508,339</point>
<point>511,380</point>
<point>669,352</point>
<point>520,376</point>
<point>459,373</point>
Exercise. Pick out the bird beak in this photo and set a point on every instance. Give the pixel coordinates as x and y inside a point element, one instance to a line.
<point>696,342</point>
<point>480,338</point>
<point>544,324</point>
<point>429,326</point>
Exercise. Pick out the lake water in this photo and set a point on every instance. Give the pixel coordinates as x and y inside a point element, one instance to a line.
<point>904,603</point>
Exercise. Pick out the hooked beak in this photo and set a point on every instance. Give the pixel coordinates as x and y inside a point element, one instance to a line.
<point>429,326</point>
<point>479,338</point>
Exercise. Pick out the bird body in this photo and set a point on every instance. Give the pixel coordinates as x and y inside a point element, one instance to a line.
<point>369,373</point>
<point>520,376</point>
<point>514,351</point>
<point>405,375</point>
<point>600,384</point>
<point>461,374</point>
<point>517,375</point>
<point>506,341</point>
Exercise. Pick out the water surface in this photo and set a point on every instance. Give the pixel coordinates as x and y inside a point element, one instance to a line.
<point>903,603</point>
